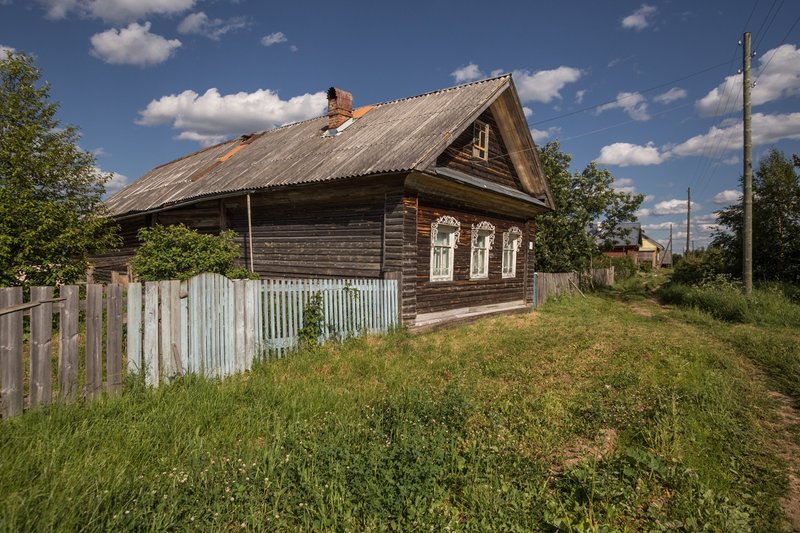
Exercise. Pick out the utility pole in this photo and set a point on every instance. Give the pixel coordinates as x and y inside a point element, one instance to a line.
<point>688,219</point>
<point>747,198</point>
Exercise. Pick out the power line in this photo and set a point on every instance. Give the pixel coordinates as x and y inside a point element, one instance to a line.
<point>660,86</point>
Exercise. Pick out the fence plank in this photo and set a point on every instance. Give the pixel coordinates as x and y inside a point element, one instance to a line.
<point>94,339</point>
<point>151,369</point>
<point>41,347</point>
<point>165,359</point>
<point>183,349</point>
<point>11,354</point>
<point>134,350</point>
<point>176,344</point>
<point>114,339</point>
<point>68,342</point>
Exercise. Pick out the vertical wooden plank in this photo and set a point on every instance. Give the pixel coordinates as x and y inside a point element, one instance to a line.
<point>114,339</point>
<point>94,339</point>
<point>251,331</point>
<point>165,327</point>
<point>11,354</point>
<point>239,323</point>
<point>41,347</point>
<point>183,347</point>
<point>134,328</point>
<point>175,348</point>
<point>151,369</point>
<point>68,342</point>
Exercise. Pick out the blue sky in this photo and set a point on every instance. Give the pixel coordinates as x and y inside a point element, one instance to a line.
<point>649,90</point>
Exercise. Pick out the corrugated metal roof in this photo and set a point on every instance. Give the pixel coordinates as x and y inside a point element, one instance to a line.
<point>393,136</point>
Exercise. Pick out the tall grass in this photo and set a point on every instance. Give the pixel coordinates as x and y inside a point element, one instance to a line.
<point>574,418</point>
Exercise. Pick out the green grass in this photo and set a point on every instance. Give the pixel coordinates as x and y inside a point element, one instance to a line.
<point>603,413</point>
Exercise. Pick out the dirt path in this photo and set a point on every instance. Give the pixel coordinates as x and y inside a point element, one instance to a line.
<point>783,429</point>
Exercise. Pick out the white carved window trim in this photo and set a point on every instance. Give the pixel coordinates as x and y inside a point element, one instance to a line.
<point>453,228</point>
<point>480,140</point>
<point>511,242</point>
<point>479,256</point>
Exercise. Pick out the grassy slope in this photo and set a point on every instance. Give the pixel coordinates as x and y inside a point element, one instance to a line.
<point>590,412</point>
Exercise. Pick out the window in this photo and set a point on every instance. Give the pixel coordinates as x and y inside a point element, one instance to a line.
<point>482,241</point>
<point>480,140</point>
<point>511,241</point>
<point>444,240</point>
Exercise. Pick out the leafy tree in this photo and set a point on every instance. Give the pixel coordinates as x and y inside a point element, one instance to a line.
<point>587,216</point>
<point>776,222</point>
<point>178,252</point>
<point>51,214</point>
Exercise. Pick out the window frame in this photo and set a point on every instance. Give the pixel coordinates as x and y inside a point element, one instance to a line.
<point>487,230</point>
<point>480,150</point>
<point>453,228</point>
<point>511,243</point>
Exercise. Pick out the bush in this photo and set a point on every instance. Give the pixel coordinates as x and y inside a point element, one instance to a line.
<point>178,252</point>
<point>699,267</point>
<point>624,267</point>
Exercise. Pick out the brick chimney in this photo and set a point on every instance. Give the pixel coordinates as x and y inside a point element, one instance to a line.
<point>340,107</point>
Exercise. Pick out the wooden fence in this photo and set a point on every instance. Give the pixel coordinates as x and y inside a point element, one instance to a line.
<point>215,326</point>
<point>208,325</point>
<point>546,285</point>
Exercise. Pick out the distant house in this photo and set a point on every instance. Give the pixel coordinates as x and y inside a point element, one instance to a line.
<point>636,244</point>
<point>628,242</point>
<point>650,252</point>
<point>439,190</point>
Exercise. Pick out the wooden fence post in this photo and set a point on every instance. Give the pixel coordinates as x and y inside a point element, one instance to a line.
<point>94,339</point>
<point>41,347</point>
<point>114,339</point>
<point>68,342</point>
<point>11,353</point>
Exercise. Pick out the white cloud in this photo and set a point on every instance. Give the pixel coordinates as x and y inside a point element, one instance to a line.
<point>134,45</point>
<point>116,11</point>
<point>293,48</point>
<point>676,93</point>
<point>634,104</point>
<point>727,197</point>
<point>496,72</point>
<point>732,160</point>
<point>656,226</point>
<point>528,112</point>
<point>4,49</point>
<point>640,19</point>
<point>675,206</point>
<point>544,85</point>
<point>626,185</point>
<point>118,181</point>
<point>540,136</point>
<point>766,129</point>
<point>579,96</point>
<point>214,29</point>
<point>627,154</point>
<point>468,73</point>
<point>212,117</point>
<point>778,77</point>
<point>274,38</point>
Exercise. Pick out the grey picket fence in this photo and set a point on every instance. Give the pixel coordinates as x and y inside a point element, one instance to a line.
<point>61,347</point>
<point>216,327</point>
<point>549,284</point>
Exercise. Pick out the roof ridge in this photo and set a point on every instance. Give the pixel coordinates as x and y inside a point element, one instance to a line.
<point>446,89</point>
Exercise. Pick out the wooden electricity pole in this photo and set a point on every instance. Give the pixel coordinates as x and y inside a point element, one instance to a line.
<point>688,219</point>
<point>747,198</point>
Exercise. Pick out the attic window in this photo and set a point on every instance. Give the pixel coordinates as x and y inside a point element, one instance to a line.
<point>480,140</point>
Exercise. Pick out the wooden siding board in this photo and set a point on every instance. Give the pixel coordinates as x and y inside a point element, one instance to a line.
<point>463,291</point>
<point>497,168</point>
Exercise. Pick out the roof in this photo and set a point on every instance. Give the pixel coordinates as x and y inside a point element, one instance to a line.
<point>630,234</point>
<point>395,136</point>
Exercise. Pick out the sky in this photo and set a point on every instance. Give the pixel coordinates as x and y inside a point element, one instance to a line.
<point>651,91</point>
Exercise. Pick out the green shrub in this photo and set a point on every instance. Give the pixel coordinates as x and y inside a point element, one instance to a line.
<point>698,267</point>
<point>178,252</point>
<point>624,267</point>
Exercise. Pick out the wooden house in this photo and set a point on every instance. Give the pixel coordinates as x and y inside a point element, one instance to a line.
<point>438,190</point>
<point>650,252</point>
<point>628,242</point>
